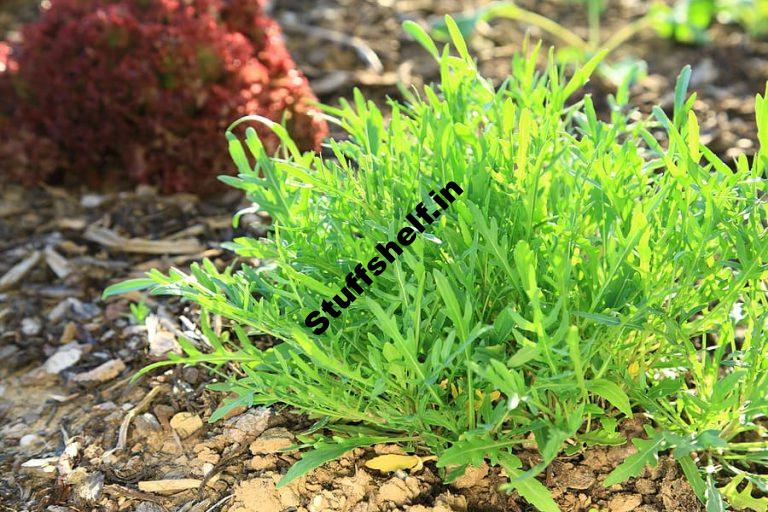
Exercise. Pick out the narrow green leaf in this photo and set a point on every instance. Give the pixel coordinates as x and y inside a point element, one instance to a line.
<point>325,452</point>
<point>533,491</point>
<point>647,455</point>
<point>611,392</point>
<point>130,285</point>
<point>457,38</point>
<point>420,35</point>
<point>713,499</point>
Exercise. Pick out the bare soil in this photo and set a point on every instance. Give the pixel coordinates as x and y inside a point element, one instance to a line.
<point>77,434</point>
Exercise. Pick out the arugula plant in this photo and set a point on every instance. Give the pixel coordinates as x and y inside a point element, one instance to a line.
<point>139,311</point>
<point>588,273</point>
<point>687,21</point>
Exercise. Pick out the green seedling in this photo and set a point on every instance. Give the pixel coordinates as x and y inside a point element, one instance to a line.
<point>688,21</point>
<point>593,270</point>
<point>139,311</point>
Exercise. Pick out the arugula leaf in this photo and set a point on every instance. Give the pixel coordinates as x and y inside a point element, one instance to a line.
<point>743,500</point>
<point>533,491</point>
<point>325,452</point>
<point>611,392</point>
<point>647,455</point>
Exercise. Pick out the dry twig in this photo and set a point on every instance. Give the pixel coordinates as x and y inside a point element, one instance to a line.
<point>111,240</point>
<point>363,50</point>
<point>122,436</point>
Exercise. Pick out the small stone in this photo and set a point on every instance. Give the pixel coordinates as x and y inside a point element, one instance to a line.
<point>148,506</point>
<point>83,310</point>
<point>171,447</point>
<point>289,499</point>
<point>59,311</point>
<point>645,486</point>
<point>7,351</point>
<point>449,502</point>
<point>272,441</point>
<point>105,406</point>
<point>207,455</point>
<point>472,476</point>
<point>146,424</point>
<point>262,463</point>
<point>30,442</point>
<point>92,200</point>
<point>63,358</point>
<point>625,502</point>
<point>705,72</point>
<point>102,373</point>
<point>397,491</point>
<point>31,326</point>
<point>89,488</point>
<point>186,423</point>
<point>164,413</point>
<point>388,449</point>
<point>580,478</point>
<point>191,375</point>
<point>256,495</point>
<point>246,426</point>
<point>318,504</point>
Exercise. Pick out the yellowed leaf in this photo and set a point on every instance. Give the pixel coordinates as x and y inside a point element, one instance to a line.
<point>495,395</point>
<point>392,462</point>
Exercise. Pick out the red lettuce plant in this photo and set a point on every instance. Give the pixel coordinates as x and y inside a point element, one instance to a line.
<point>147,88</point>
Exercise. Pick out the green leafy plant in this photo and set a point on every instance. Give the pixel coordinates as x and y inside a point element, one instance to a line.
<point>589,272</point>
<point>688,21</point>
<point>139,311</point>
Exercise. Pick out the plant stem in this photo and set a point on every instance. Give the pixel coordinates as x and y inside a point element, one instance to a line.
<point>516,13</point>
<point>593,15</point>
<point>625,33</point>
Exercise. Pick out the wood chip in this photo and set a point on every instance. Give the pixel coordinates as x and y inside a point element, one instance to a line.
<point>70,247</point>
<point>9,210</point>
<point>102,373</point>
<point>57,262</point>
<point>74,224</point>
<point>197,229</point>
<point>64,357</point>
<point>174,261</point>
<point>119,490</point>
<point>18,271</point>
<point>111,240</point>
<point>218,222</point>
<point>41,467</point>
<point>69,333</point>
<point>175,485</point>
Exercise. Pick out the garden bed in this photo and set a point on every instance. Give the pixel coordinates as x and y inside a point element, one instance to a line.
<point>66,389</point>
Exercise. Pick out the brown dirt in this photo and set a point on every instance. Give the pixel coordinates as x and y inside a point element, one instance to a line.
<point>65,387</point>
